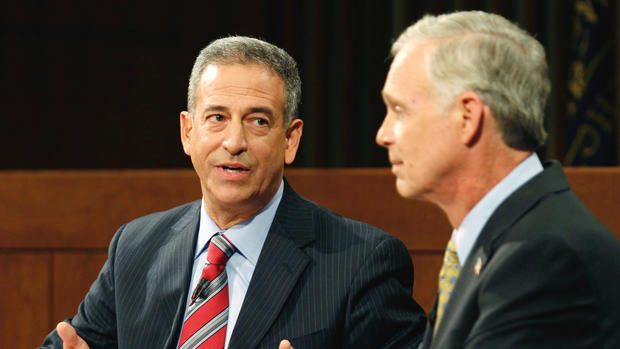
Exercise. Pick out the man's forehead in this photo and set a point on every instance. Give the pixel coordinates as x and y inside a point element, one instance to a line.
<point>212,70</point>
<point>239,87</point>
<point>416,50</point>
<point>244,76</point>
<point>408,77</point>
<point>402,70</point>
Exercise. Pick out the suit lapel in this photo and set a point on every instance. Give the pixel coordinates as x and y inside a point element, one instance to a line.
<point>180,251</point>
<point>280,265</point>
<point>454,326</point>
<point>551,180</point>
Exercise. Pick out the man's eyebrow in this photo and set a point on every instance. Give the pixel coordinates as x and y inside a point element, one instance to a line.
<point>215,107</point>
<point>262,110</point>
<point>383,96</point>
<point>221,108</point>
<point>387,99</point>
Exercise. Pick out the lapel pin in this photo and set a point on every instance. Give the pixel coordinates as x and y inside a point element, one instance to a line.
<point>478,266</point>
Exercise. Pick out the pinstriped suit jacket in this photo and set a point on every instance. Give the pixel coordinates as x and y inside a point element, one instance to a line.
<point>322,281</point>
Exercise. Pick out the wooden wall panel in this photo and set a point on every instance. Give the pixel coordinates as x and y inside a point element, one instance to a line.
<point>83,209</point>
<point>55,227</point>
<point>25,307</point>
<point>426,270</point>
<point>74,272</point>
<point>599,189</point>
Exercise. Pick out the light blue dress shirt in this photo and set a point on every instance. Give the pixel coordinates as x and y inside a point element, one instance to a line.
<point>248,237</point>
<point>467,233</point>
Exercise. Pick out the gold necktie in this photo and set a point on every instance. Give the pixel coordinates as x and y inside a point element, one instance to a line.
<point>447,278</point>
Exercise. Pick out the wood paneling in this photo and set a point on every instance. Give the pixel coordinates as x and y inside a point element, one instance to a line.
<point>25,307</point>
<point>74,272</point>
<point>599,189</point>
<point>426,270</point>
<point>55,227</point>
<point>83,209</point>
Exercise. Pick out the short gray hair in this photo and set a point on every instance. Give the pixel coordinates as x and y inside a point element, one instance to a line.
<point>246,50</point>
<point>487,54</point>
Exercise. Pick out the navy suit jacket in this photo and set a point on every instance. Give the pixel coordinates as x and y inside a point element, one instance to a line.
<point>542,274</point>
<point>321,281</point>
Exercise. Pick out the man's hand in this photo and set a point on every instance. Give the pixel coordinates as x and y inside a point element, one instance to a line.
<point>285,345</point>
<point>70,339</point>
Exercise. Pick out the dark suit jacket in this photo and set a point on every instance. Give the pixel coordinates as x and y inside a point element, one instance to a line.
<point>548,276</point>
<point>322,281</point>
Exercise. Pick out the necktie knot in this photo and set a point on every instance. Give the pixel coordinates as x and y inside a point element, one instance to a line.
<point>220,249</point>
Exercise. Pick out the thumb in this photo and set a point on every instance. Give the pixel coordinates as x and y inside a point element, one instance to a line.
<point>69,337</point>
<point>285,344</point>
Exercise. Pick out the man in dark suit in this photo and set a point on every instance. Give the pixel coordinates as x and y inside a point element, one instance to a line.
<point>527,265</point>
<point>252,262</point>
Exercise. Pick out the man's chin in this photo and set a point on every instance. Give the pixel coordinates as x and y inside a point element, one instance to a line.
<point>402,188</point>
<point>407,191</point>
<point>233,198</point>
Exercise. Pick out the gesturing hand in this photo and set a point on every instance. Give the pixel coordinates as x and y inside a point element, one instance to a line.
<point>70,338</point>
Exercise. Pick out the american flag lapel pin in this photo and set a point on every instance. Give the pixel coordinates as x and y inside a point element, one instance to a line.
<point>478,266</point>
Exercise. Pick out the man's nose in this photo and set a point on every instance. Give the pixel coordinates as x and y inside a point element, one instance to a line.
<point>385,136</point>
<point>235,141</point>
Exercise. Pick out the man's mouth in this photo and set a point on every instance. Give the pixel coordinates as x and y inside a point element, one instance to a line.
<point>231,169</point>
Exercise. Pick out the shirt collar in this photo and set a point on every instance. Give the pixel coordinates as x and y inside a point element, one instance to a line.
<point>466,234</point>
<point>248,236</point>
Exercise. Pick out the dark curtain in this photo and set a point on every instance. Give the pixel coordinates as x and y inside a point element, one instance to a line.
<point>101,84</point>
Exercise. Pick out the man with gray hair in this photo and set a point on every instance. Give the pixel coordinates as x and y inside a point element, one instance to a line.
<point>252,262</point>
<point>527,265</point>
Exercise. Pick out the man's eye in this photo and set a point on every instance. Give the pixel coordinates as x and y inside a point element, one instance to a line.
<point>261,122</point>
<point>216,117</point>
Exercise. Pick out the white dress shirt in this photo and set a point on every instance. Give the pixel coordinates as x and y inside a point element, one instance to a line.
<point>248,237</point>
<point>467,233</point>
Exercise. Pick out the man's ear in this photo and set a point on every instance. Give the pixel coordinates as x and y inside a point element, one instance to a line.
<point>187,123</point>
<point>293,137</point>
<point>471,110</point>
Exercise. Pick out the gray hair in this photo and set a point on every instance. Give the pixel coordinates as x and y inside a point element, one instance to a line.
<point>246,50</point>
<point>487,54</point>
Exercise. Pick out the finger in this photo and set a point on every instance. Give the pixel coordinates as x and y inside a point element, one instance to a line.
<point>70,338</point>
<point>285,344</point>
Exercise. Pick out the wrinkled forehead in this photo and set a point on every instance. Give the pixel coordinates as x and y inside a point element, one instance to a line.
<point>240,86</point>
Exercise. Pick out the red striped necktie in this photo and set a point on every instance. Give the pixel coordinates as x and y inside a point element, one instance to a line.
<point>205,321</point>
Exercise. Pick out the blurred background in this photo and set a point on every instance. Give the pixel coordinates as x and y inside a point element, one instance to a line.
<point>101,84</point>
